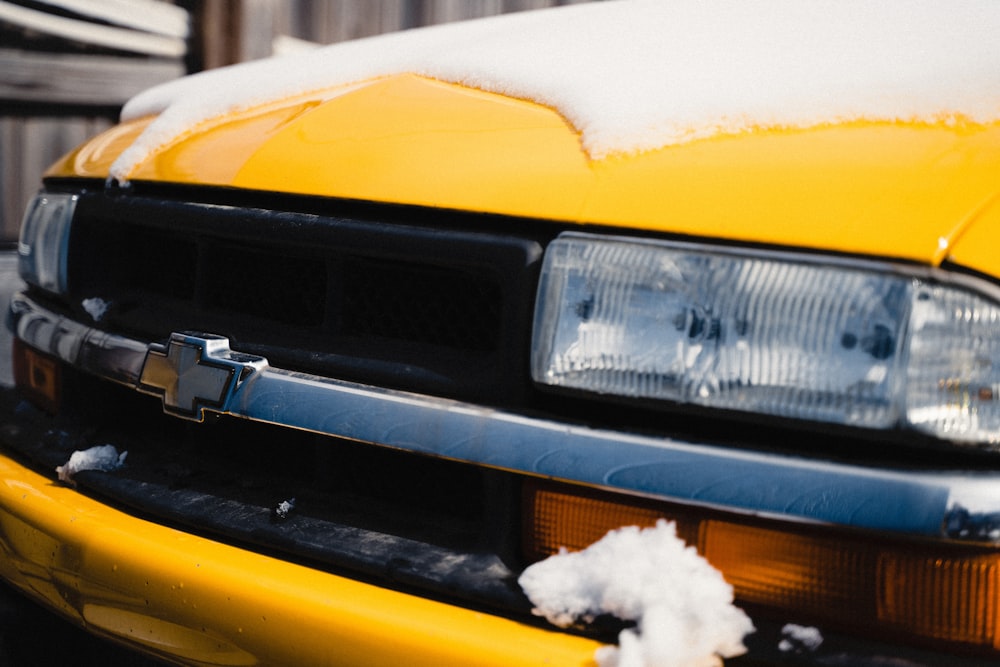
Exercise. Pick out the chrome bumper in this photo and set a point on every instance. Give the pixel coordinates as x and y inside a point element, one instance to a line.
<point>194,373</point>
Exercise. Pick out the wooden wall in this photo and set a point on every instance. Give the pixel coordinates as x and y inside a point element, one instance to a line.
<point>246,29</point>
<point>29,143</point>
<point>38,127</point>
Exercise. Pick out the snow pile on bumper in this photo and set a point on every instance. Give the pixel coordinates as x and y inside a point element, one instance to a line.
<point>103,457</point>
<point>682,607</point>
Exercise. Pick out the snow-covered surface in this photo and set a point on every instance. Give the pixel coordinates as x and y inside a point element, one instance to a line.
<point>799,638</point>
<point>682,607</point>
<point>641,74</point>
<point>101,457</point>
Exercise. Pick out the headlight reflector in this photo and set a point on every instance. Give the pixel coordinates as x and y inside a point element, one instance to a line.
<point>44,241</point>
<point>855,344</point>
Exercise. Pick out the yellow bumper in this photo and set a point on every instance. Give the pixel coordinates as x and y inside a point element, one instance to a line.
<point>204,603</point>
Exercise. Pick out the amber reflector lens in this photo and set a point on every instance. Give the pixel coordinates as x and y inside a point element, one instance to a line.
<point>37,375</point>
<point>573,521</point>
<point>913,591</point>
<point>946,598</point>
<point>778,568</point>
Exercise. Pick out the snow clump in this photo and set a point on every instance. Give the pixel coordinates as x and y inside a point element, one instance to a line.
<point>284,508</point>
<point>682,607</point>
<point>95,307</point>
<point>103,457</point>
<point>799,638</point>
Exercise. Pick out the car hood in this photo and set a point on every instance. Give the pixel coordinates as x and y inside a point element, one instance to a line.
<point>916,191</point>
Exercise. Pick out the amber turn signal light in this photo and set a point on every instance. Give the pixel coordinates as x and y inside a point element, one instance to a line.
<point>37,375</point>
<point>915,591</point>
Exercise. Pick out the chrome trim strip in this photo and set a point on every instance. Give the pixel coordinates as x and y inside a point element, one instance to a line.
<point>950,504</point>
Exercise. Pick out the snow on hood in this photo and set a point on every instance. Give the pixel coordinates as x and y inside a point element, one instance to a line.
<point>634,75</point>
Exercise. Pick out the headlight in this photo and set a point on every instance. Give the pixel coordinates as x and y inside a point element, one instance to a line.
<point>857,344</point>
<point>44,240</point>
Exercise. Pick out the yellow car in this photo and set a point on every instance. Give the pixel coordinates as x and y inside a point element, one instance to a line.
<point>317,356</point>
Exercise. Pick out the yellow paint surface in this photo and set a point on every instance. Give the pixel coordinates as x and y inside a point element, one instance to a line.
<point>904,190</point>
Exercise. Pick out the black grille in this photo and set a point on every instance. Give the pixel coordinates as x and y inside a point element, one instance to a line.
<point>271,286</point>
<point>144,260</point>
<point>406,301</point>
<point>375,299</point>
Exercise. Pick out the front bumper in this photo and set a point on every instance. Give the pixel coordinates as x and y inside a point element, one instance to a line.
<point>188,598</point>
<point>934,502</point>
<point>192,600</point>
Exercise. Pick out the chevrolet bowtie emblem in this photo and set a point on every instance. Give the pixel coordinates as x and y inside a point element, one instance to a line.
<point>196,372</point>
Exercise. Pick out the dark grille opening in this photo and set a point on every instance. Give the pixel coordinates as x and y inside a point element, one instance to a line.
<point>396,492</point>
<point>418,303</point>
<point>272,286</point>
<point>125,260</point>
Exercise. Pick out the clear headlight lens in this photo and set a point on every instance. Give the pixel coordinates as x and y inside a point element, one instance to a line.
<point>44,240</point>
<point>953,374</point>
<point>848,344</point>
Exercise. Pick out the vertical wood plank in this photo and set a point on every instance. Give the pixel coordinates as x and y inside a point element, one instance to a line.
<point>28,146</point>
<point>11,175</point>
<point>328,21</point>
<point>256,29</point>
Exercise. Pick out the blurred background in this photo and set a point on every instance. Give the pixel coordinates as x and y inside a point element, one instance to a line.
<point>67,66</point>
